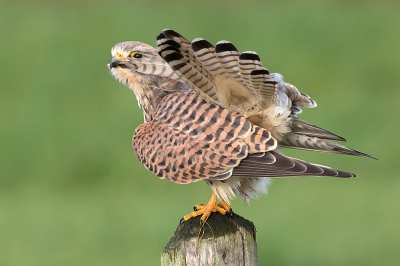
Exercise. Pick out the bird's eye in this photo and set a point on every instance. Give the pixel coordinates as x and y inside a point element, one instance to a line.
<point>136,55</point>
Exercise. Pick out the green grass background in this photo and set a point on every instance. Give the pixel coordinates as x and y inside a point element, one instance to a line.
<point>72,191</point>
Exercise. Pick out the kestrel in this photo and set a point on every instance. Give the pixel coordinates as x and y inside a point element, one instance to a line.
<point>215,114</point>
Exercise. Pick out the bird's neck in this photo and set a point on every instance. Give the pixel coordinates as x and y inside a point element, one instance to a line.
<point>150,91</point>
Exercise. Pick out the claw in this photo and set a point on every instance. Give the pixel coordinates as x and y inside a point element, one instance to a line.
<point>206,209</point>
<point>181,220</point>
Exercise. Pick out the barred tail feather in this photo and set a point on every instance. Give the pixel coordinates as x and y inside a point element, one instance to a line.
<point>205,53</point>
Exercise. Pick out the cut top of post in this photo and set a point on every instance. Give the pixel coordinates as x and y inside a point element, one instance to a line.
<point>224,241</point>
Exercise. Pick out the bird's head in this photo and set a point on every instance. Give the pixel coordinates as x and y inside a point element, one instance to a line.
<point>138,66</point>
<point>134,60</point>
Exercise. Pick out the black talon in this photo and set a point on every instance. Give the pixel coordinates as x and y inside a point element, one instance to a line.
<point>230,212</point>
<point>194,208</point>
<point>180,221</point>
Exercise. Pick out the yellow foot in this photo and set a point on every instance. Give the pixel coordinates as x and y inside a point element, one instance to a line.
<point>206,209</point>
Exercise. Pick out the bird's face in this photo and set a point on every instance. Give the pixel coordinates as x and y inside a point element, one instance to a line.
<point>134,60</point>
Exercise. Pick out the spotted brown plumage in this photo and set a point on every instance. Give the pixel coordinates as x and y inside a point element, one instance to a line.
<point>207,113</point>
<point>190,140</point>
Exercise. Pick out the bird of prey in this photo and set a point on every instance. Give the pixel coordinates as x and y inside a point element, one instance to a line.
<point>215,114</point>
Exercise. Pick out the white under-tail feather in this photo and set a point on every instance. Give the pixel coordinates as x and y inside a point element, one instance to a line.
<point>246,188</point>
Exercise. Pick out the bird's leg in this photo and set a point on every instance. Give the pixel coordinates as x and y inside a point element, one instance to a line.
<point>206,209</point>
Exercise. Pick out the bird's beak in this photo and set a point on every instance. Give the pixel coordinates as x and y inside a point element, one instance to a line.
<point>119,63</point>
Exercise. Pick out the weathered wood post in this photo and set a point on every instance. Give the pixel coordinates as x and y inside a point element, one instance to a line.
<point>224,241</point>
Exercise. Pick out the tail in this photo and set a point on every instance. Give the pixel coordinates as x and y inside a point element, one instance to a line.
<point>224,76</point>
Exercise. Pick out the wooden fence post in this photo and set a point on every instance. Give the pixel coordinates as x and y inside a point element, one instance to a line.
<point>224,241</point>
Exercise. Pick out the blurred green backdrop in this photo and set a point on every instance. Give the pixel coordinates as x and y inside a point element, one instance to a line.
<point>72,191</point>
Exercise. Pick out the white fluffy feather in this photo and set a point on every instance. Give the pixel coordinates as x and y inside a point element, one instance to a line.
<point>246,188</point>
